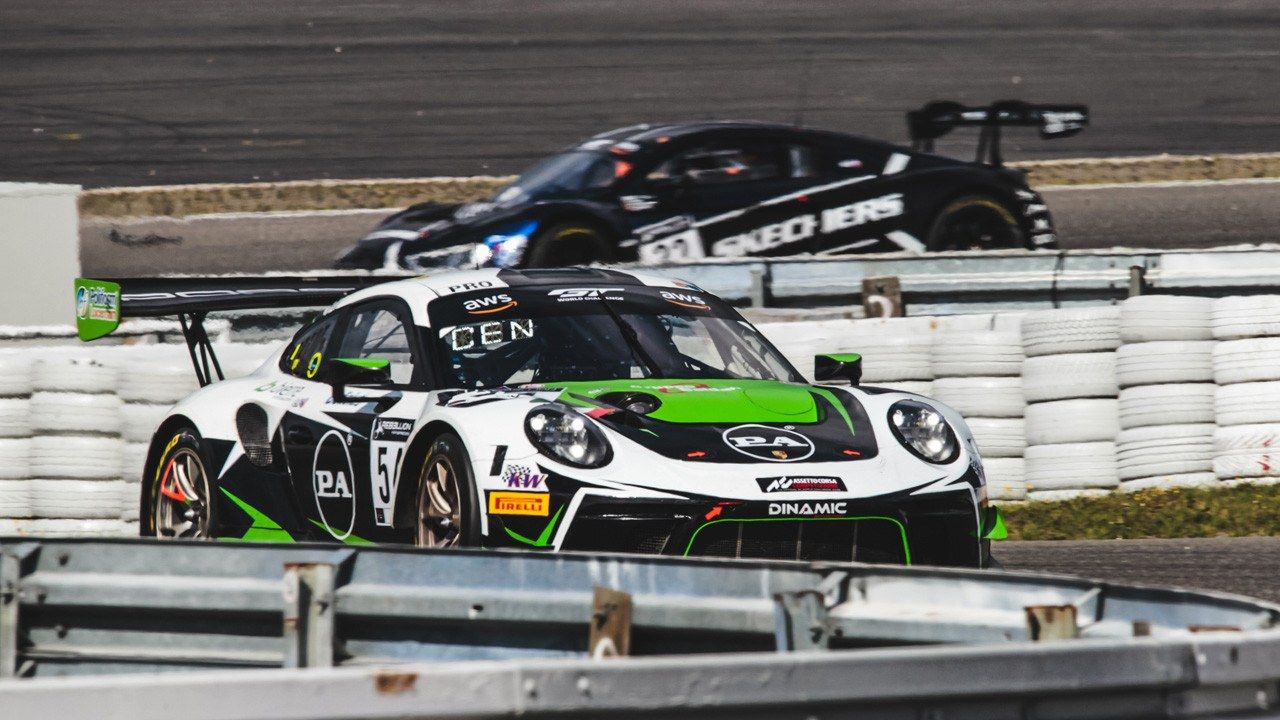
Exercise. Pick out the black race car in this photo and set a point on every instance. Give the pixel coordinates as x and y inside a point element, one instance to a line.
<point>680,192</point>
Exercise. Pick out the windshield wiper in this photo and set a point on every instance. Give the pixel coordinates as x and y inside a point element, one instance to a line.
<point>633,339</point>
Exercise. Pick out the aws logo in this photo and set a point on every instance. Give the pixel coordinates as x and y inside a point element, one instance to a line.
<point>489,305</point>
<point>685,300</point>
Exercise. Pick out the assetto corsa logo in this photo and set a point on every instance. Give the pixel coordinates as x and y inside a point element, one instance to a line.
<point>800,483</point>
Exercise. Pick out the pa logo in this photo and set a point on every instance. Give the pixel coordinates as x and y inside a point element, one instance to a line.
<point>332,483</point>
<point>770,444</point>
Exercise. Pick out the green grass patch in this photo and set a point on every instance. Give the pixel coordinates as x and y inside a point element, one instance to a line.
<point>1175,513</point>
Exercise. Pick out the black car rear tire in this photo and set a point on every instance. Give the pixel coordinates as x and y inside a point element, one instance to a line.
<point>975,222</point>
<point>569,244</point>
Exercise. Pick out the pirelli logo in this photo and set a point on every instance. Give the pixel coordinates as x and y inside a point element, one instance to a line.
<point>519,503</point>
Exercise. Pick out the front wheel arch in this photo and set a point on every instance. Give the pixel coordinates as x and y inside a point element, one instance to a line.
<point>403,514</point>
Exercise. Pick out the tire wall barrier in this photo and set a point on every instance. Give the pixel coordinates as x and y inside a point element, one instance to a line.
<point>1158,391</point>
<point>75,425</point>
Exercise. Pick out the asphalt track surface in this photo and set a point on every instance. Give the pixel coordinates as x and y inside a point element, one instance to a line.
<point>1244,566</point>
<point>102,93</point>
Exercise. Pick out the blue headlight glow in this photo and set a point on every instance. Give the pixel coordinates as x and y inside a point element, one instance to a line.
<point>506,248</point>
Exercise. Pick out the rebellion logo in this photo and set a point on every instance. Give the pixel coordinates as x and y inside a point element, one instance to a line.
<point>800,483</point>
<point>490,304</point>
<point>768,443</point>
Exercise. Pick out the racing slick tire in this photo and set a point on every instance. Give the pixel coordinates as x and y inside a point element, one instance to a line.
<point>1153,318</point>
<point>180,505</point>
<point>1165,361</point>
<point>976,222</point>
<point>1234,318</point>
<point>1072,375</point>
<point>1171,404</point>
<point>569,244</point>
<point>1247,360</point>
<point>1071,330</point>
<point>446,510</point>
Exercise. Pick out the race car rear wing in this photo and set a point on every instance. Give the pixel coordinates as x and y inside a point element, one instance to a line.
<point>939,118</point>
<point>102,304</point>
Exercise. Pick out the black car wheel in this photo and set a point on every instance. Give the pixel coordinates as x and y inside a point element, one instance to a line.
<point>447,512</point>
<point>975,222</point>
<point>569,244</point>
<point>179,500</point>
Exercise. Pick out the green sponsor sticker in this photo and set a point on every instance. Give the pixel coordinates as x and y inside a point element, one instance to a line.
<point>97,308</point>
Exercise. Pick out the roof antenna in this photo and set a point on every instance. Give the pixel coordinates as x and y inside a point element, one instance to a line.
<point>802,92</point>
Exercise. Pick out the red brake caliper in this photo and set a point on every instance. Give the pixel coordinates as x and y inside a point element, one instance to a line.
<point>170,489</point>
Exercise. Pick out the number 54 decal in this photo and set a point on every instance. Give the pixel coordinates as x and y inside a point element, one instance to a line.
<point>386,449</point>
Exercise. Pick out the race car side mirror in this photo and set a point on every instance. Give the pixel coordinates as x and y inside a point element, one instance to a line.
<point>837,367</point>
<point>357,371</point>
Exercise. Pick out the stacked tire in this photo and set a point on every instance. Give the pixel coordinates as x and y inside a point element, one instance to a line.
<point>15,439</point>
<point>1069,382</point>
<point>149,389</point>
<point>75,448</point>
<point>1246,368</point>
<point>1165,373</point>
<point>980,376</point>
<point>897,356</point>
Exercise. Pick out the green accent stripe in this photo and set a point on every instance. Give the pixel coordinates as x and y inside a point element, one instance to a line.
<point>839,406</point>
<point>544,540</point>
<point>374,363</point>
<point>350,539</point>
<point>902,530</point>
<point>263,528</point>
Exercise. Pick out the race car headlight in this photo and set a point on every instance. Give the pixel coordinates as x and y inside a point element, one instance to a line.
<point>506,247</point>
<point>922,430</point>
<point>567,436</point>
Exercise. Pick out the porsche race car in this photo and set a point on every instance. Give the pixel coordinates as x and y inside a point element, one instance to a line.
<point>686,191</point>
<point>572,409</point>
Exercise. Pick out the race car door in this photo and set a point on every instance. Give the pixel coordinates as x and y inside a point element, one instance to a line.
<point>345,468</point>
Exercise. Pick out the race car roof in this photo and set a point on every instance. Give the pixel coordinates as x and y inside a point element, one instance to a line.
<point>449,283</point>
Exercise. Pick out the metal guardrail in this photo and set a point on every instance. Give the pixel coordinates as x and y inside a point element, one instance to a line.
<point>806,639</point>
<point>968,282</point>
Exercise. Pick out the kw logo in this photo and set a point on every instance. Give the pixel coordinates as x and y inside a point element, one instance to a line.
<point>685,300</point>
<point>332,485</point>
<point>489,305</point>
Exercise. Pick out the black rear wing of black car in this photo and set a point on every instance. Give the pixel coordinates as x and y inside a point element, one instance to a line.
<point>102,304</point>
<point>941,117</point>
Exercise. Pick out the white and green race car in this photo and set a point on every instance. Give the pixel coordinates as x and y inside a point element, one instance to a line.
<point>573,409</point>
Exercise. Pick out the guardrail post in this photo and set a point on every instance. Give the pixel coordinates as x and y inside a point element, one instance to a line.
<point>308,614</point>
<point>1137,280</point>
<point>882,296</point>
<point>759,292</point>
<point>1052,622</point>
<point>610,633</point>
<point>10,572</point>
<point>801,621</point>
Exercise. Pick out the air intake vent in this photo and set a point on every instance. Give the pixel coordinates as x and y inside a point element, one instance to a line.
<point>251,424</point>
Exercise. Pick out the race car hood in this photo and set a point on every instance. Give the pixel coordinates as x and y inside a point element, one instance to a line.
<point>733,421</point>
<point>711,401</point>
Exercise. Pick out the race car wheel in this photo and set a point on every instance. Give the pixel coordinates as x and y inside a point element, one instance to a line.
<point>975,222</point>
<point>179,496</point>
<point>447,512</point>
<point>569,244</point>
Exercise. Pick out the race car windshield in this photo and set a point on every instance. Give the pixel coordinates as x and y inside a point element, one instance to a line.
<point>520,336</point>
<point>567,173</point>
